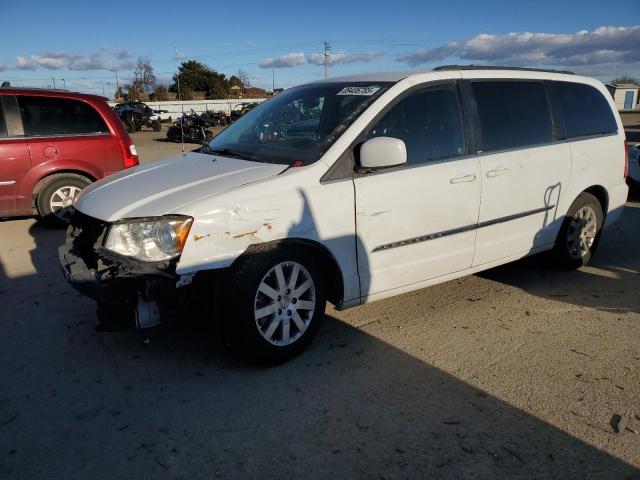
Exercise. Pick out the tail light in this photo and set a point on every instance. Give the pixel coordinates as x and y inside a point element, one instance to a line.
<point>129,153</point>
<point>626,159</point>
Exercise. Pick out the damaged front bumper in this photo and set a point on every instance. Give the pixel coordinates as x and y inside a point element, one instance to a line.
<point>112,279</point>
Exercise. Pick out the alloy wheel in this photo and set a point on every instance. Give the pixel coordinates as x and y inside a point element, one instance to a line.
<point>62,200</point>
<point>582,232</point>
<point>284,303</point>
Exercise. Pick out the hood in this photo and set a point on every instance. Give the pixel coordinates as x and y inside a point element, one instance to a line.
<point>163,187</point>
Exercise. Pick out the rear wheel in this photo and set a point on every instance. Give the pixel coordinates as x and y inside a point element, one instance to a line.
<point>55,200</point>
<point>276,304</point>
<point>580,233</point>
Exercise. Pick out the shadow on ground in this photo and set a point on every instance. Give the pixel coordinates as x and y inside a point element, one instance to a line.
<point>616,262</point>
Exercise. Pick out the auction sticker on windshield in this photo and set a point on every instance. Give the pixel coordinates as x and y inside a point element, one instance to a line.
<point>365,91</point>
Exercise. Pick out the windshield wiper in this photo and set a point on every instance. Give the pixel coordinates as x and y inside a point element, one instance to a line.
<point>228,152</point>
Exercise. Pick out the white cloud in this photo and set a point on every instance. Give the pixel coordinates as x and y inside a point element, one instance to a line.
<point>284,61</point>
<point>602,45</point>
<point>102,59</point>
<point>342,58</point>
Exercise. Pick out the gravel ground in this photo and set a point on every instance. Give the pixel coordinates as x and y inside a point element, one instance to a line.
<point>514,373</point>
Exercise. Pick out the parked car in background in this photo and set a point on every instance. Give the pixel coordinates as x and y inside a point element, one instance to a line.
<point>135,115</point>
<point>53,143</point>
<point>390,183</point>
<point>240,109</point>
<point>162,115</point>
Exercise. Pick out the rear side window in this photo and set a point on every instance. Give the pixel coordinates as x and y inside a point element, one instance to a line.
<point>3,123</point>
<point>44,116</point>
<point>429,123</point>
<point>586,111</point>
<point>512,114</point>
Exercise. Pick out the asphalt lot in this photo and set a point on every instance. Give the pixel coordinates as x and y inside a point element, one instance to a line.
<point>513,373</point>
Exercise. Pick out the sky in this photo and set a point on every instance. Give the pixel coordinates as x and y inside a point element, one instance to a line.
<point>80,45</point>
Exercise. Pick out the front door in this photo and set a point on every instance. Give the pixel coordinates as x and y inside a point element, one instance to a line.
<point>416,222</point>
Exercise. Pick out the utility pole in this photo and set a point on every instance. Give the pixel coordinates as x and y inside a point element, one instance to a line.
<point>54,81</point>
<point>327,49</point>
<point>117,84</point>
<point>273,79</point>
<point>64,84</point>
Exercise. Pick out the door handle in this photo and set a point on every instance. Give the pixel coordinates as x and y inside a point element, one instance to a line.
<point>463,179</point>
<point>497,172</point>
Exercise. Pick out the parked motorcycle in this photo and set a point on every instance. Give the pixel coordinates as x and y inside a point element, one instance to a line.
<point>219,118</point>
<point>190,128</point>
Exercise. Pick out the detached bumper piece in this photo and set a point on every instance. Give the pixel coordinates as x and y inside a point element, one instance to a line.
<point>120,285</point>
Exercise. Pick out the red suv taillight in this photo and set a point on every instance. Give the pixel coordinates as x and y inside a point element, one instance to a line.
<point>626,159</point>
<point>129,153</point>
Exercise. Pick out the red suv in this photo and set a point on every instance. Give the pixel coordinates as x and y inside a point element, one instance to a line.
<point>53,143</point>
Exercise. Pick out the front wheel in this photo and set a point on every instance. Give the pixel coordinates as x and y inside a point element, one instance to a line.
<point>277,302</point>
<point>580,232</point>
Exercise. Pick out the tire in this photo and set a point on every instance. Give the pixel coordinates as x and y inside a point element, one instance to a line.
<point>157,126</point>
<point>264,321</point>
<point>55,199</point>
<point>580,233</point>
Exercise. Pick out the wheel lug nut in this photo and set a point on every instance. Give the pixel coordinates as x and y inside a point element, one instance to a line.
<point>289,312</point>
<point>294,300</point>
<point>279,312</point>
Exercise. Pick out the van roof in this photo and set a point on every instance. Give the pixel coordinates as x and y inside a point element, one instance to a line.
<point>56,92</point>
<point>397,76</point>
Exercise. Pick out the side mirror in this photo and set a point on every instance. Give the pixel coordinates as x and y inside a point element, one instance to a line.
<point>383,152</point>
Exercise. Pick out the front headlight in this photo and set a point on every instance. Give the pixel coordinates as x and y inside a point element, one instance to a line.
<point>149,239</point>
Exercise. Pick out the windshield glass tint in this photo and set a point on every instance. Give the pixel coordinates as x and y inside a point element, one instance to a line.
<point>298,125</point>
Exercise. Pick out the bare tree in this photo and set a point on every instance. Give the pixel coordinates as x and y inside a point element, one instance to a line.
<point>244,78</point>
<point>143,75</point>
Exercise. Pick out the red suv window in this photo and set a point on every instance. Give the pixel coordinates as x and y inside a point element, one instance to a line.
<point>45,116</point>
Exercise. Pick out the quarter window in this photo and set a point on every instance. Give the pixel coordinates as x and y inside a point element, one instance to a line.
<point>429,123</point>
<point>586,111</point>
<point>44,116</point>
<point>512,114</point>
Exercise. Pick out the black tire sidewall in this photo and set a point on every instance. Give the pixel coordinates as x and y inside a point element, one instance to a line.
<point>561,251</point>
<point>44,197</point>
<point>246,274</point>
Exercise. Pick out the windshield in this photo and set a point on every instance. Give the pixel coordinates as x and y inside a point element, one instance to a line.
<point>298,125</point>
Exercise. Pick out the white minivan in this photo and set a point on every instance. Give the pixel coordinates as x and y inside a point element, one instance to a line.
<point>351,190</point>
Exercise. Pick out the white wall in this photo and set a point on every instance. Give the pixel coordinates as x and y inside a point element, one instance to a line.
<point>176,108</point>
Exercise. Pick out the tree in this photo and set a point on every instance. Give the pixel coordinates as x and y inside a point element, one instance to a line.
<point>244,78</point>
<point>161,93</point>
<point>143,75</point>
<point>135,92</point>
<point>193,76</point>
<point>119,93</point>
<point>625,79</point>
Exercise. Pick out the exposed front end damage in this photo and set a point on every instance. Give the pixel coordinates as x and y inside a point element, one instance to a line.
<point>125,289</point>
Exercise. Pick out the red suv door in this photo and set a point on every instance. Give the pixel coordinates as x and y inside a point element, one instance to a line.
<point>14,154</point>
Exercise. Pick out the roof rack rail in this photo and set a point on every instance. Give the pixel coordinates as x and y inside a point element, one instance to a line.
<point>497,67</point>
<point>35,88</point>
